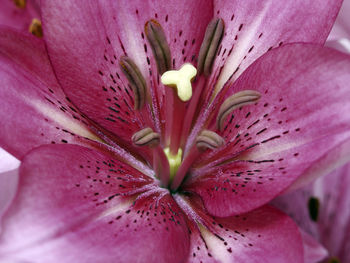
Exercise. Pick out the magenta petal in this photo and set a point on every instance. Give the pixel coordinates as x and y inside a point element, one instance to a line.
<point>19,18</point>
<point>299,119</point>
<point>78,205</point>
<point>7,161</point>
<point>85,43</point>
<point>263,235</point>
<point>8,187</point>
<point>313,251</point>
<point>341,28</point>
<point>331,227</point>
<point>253,27</point>
<point>34,109</point>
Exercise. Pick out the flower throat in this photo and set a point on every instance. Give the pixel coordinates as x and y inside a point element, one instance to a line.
<point>170,163</point>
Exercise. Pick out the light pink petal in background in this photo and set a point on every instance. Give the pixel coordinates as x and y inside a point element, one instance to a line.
<point>332,227</point>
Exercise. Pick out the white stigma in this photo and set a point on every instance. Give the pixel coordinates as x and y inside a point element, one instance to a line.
<point>181,79</point>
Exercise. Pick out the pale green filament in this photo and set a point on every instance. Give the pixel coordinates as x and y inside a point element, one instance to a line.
<point>181,79</point>
<point>174,161</point>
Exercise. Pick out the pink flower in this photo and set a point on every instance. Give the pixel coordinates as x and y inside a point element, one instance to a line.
<point>112,196</point>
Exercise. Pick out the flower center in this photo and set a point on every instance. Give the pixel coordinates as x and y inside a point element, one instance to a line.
<point>170,162</point>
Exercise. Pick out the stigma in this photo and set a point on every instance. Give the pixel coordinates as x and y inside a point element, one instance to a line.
<point>181,80</point>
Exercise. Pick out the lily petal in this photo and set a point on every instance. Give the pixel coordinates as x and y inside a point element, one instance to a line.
<point>298,120</point>
<point>104,33</point>
<point>77,204</point>
<point>313,251</point>
<point>7,161</point>
<point>257,26</point>
<point>19,18</point>
<point>341,28</point>
<point>263,235</point>
<point>34,111</point>
<point>8,187</point>
<point>331,225</point>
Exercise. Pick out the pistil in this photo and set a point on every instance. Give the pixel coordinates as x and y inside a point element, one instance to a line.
<point>180,81</point>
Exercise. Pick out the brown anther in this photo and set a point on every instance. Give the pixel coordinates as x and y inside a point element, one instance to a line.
<point>212,39</point>
<point>233,102</point>
<point>20,3</point>
<point>160,47</point>
<point>145,137</point>
<point>136,80</point>
<point>209,140</point>
<point>35,28</point>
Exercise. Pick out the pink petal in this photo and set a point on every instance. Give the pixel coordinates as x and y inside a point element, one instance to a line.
<point>7,161</point>
<point>253,27</point>
<point>342,44</point>
<point>78,205</point>
<point>341,28</point>
<point>299,119</point>
<point>19,18</point>
<point>8,187</point>
<point>313,251</point>
<point>263,235</point>
<point>332,225</point>
<point>89,40</point>
<point>34,111</point>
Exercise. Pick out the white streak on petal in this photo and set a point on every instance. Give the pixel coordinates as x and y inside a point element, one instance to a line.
<point>241,48</point>
<point>63,120</point>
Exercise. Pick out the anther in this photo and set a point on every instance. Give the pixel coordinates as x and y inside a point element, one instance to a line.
<point>181,79</point>
<point>35,28</point>
<point>136,80</point>
<point>209,140</point>
<point>212,39</point>
<point>145,137</point>
<point>233,102</point>
<point>20,3</point>
<point>160,47</point>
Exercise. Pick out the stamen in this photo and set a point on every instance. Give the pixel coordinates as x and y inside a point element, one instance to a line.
<point>136,80</point>
<point>20,3</point>
<point>146,137</point>
<point>35,28</point>
<point>160,47</point>
<point>209,140</point>
<point>181,79</point>
<point>212,39</point>
<point>233,102</point>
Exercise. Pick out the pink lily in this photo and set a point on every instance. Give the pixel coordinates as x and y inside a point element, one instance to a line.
<point>100,202</point>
